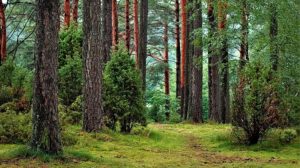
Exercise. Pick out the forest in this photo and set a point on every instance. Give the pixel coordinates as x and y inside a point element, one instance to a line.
<point>149,83</point>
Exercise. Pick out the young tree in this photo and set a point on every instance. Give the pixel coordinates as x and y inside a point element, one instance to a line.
<point>46,131</point>
<point>67,10</point>
<point>3,33</point>
<point>167,72</point>
<point>178,54</point>
<point>93,66</point>
<point>142,50</point>
<point>115,32</point>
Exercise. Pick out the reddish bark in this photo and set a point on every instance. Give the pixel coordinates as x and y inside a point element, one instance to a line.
<point>114,23</point>
<point>178,54</point>
<point>136,30</point>
<point>75,11</point>
<point>67,10</point>
<point>167,73</point>
<point>127,25</point>
<point>3,33</point>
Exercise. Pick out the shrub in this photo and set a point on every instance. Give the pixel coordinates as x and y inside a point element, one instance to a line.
<point>6,94</point>
<point>287,136</point>
<point>123,94</point>
<point>261,102</point>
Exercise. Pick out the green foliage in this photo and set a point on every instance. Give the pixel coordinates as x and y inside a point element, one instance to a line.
<point>6,94</point>
<point>123,95</point>
<point>261,107</point>
<point>287,136</point>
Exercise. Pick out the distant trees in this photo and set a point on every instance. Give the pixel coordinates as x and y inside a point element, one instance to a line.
<point>2,33</point>
<point>46,131</point>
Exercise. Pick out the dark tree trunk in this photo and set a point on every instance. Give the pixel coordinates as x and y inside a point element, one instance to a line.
<point>3,33</point>
<point>67,10</point>
<point>75,11</point>
<point>274,49</point>
<point>177,38</point>
<point>106,29</point>
<point>197,66</point>
<point>213,60</point>
<point>136,31</point>
<point>224,69</point>
<point>167,73</point>
<point>115,31</point>
<point>244,53</point>
<point>127,25</point>
<point>183,55</point>
<point>45,120</point>
<point>93,66</point>
<point>142,54</point>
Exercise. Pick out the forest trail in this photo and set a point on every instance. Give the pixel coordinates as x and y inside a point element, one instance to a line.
<point>157,146</point>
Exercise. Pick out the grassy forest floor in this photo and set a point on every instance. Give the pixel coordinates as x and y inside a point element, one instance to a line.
<point>169,145</point>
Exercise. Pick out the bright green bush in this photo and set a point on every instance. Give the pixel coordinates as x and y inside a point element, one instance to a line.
<point>123,94</point>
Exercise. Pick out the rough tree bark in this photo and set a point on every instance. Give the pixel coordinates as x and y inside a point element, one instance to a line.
<point>67,10</point>
<point>106,29</point>
<point>93,66</point>
<point>75,11</point>
<point>127,25</point>
<point>3,33</point>
<point>178,54</point>
<point>142,50</point>
<point>213,74</point>
<point>136,31</point>
<point>115,31</point>
<point>167,72</point>
<point>197,66</point>
<point>274,49</point>
<point>46,131</point>
<point>224,69</point>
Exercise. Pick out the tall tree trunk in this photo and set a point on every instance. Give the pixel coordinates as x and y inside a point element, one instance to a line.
<point>45,120</point>
<point>106,29</point>
<point>3,33</point>
<point>115,32</point>
<point>127,25</point>
<point>197,66</point>
<point>183,54</point>
<point>274,49</point>
<point>75,11</point>
<point>142,54</point>
<point>136,30</point>
<point>167,72</point>
<point>177,38</point>
<point>93,66</point>
<point>213,60</point>
<point>244,53</point>
<point>67,10</point>
<point>224,69</point>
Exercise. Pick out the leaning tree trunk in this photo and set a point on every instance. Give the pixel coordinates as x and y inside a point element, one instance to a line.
<point>167,72</point>
<point>177,38</point>
<point>197,65</point>
<point>106,29</point>
<point>136,31</point>
<point>213,74</point>
<point>224,69</point>
<point>75,11</point>
<point>3,33</point>
<point>67,10</point>
<point>46,131</point>
<point>127,25</point>
<point>93,66</point>
<point>115,31</point>
<point>142,54</point>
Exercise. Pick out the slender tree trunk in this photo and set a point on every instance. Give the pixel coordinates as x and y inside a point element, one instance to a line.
<point>106,29</point>
<point>167,73</point>
<point>3,33</point>
<point>177,38</point>
<point>45,120</point>
<point>244,53</point>
<point>75,11</point>
<point>274,49</point>
<point>183,53</point>
<point>224,69</point>
<point>115,32</point>
<point>213,60</point>
<point>142,54</point>
<point>93,66</point>
<point>67,10</point>
<point>127,25</point>
<point>197,66</point>
<point>136,31</point>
